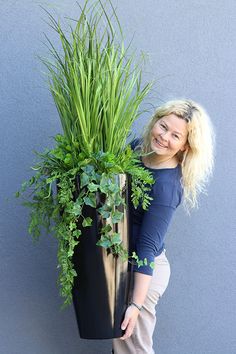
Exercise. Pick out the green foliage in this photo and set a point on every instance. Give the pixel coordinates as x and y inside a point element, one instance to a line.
<point>141,262</point>
<point>60,211</point>
<point>94,80</point>
<point>96,87</point>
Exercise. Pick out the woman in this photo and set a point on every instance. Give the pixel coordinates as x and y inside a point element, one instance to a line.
<point>177,147</point>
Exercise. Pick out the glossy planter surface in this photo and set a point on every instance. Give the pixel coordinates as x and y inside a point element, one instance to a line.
<point>101,288</point>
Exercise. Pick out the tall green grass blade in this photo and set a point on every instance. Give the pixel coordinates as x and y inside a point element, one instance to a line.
<point>95,82</point>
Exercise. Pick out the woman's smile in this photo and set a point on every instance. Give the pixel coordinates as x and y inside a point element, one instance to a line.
<point>157,142</point>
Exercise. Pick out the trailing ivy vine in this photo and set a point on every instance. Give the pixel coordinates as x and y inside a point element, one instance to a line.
<point>66,180</point>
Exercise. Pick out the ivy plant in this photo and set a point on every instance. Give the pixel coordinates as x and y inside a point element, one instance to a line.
<point>64,182</point>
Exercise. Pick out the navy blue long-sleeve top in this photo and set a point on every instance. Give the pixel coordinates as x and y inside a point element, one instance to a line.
<point>149,227</point>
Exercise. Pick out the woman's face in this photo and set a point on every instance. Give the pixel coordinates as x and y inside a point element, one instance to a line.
<point>169,135</point>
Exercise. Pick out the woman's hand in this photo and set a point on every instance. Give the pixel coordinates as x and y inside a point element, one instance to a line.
<point>141,285</point>
<point>129,322</point>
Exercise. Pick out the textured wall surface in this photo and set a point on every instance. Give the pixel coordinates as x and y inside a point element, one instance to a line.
<point>191,53</point>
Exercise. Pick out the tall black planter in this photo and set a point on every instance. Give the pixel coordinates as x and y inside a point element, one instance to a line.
<point>101,288</point>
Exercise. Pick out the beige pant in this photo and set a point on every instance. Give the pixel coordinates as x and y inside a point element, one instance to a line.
<point>141,340</point>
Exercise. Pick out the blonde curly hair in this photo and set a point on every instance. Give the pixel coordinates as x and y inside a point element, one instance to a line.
<point>197,160</point>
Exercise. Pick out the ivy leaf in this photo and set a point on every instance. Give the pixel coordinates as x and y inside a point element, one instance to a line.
<point>105,229</point>
<point>76,209</point>
<point>90,200</point>
<point>116,216</point>
<point>70,253</point>
<point>87,222</point>
<point>72,226</point>
<point>92,187</point>
<point>104,184</point>
<point>104,242</point>
<point>152,265</point>
<point>84,180</point>
<point>134,255</point>
<point>113,187</point>
<point>140,263</point>
<point>118,200</point>
<point>104,212</point>
<point>76,233</point>
<point>116,240</point>
<point>88,169</point>
<point>73,273</point>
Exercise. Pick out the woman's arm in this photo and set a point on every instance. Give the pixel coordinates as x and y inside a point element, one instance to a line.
<point>141,285</point>
<point>148,243</point>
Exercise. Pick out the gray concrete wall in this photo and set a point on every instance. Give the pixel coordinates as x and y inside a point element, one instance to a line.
<point>191,49</point>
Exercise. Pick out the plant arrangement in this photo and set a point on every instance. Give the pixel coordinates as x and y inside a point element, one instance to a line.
<point>96,86</point>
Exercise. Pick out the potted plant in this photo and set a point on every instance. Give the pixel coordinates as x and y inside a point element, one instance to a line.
<point>81,188</point>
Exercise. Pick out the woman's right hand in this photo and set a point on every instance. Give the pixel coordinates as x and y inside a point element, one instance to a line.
<point>129,321</point>
<point>141,285</point>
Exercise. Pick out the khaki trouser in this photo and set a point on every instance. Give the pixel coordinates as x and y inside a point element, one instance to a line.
<point>141,340</point>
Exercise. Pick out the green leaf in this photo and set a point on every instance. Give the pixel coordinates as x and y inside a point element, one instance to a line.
<point>116,216</point>
<point>118,200</point>
<point>88,169</point>
<point>72,226</point>
<point>107,228</point>
<point>152,265</point>
<point>116,240</point>
<point>92,187</point>
<point>70,253</point>
<point>84,180</point>
<point>104,212</point>
<point>134,255</point>
<point>104,242</point>
<point>87,222</point>
<point>104,184</point>
<point>114,188</point>
<point>90,200</point>
<point>76,233</point>
<point>76,209</point>
<point>139,263</point>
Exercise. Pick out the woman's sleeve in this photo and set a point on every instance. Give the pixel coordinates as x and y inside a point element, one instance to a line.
<point>135,142</point>
<point>155,222</point>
